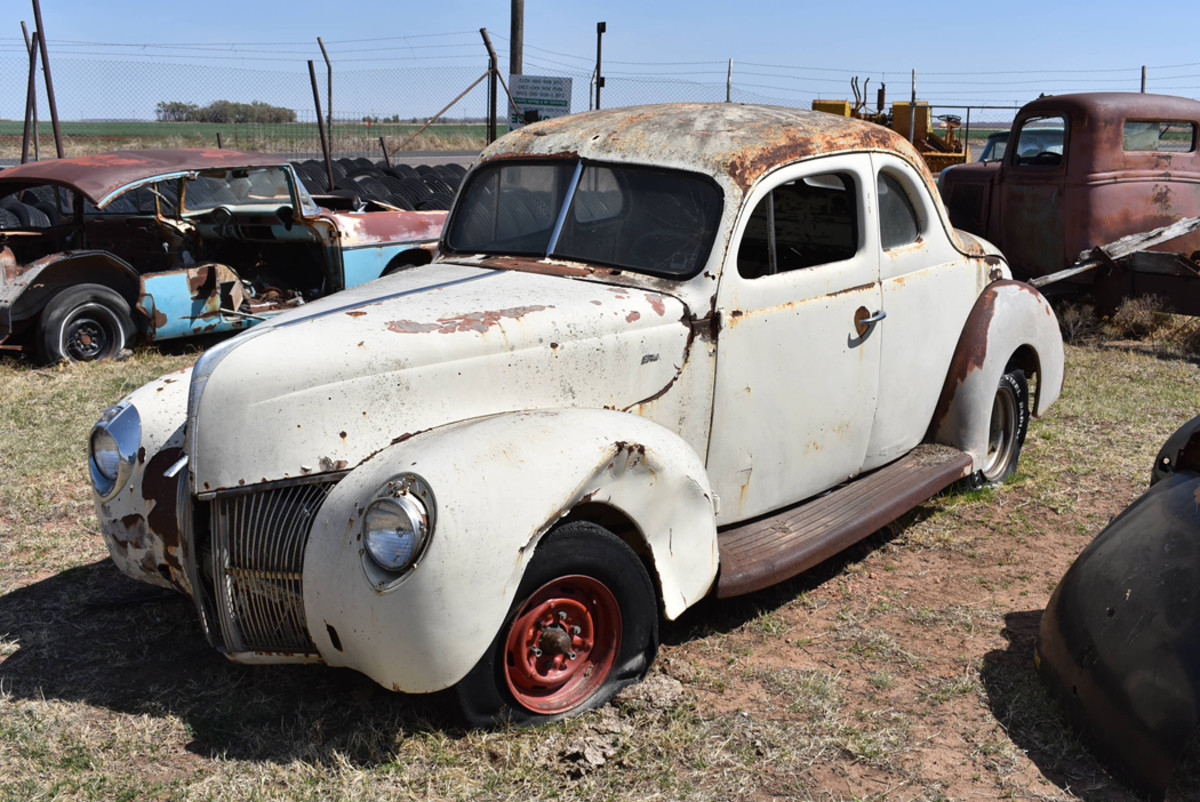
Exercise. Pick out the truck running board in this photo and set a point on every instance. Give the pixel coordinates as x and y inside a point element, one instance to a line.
<point>771,549</point>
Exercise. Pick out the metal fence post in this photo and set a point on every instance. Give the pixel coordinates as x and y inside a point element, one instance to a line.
<point>493,67</point>
<point>601,27</point>
<point>30,99</point>
<point>41,37</point>
<point>312,77</point>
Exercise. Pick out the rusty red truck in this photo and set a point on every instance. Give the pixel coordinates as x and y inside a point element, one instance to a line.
<point>1115,208</point>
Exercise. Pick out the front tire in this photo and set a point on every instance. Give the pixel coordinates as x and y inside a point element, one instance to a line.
<point>85,323</point>
<point>1007,426</point>
<point>584,625</point>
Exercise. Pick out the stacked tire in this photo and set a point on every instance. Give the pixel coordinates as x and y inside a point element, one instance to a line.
<point>421,188</point>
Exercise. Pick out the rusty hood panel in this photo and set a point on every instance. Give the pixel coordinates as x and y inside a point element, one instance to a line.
<point>323,388</point>
<point>99,175</point>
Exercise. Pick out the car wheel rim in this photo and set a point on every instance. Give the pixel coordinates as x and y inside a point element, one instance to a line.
<point>562,645</point>
<point>88,335</point>
<point>1001,434</point>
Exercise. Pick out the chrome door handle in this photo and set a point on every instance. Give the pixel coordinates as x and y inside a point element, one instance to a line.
<point>864,320</point>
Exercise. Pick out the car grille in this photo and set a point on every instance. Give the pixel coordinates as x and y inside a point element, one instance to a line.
<point>258,544</point>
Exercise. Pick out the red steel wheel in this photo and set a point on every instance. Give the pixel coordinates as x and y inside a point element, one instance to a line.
<point>562,645</point>
<point>583,625</point>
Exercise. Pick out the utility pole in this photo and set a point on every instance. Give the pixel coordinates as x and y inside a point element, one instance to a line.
<point>516,46</point>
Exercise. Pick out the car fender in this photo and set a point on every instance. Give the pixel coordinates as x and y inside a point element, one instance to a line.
<point>1011,324</point>
<point>1181,452</point>
<point>140,521</point>
<point>499,484</point>
<point>1117,641</point>
<point>25,289</point>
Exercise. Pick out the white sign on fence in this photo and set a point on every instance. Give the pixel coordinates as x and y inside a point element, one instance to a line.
<point>539,97</point>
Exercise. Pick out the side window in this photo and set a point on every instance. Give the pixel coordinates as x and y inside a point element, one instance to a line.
<point>898,221</point>
<point>807,222</point>
<point>1158,136</point>
<point>1040,142</point>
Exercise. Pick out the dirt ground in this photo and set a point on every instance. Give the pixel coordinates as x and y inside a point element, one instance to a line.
<point>900,670</point>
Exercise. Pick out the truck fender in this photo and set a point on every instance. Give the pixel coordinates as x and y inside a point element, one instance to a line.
<point>1010,326</point>
<point>497,485</point>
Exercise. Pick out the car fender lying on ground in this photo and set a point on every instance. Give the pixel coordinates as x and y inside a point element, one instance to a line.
<point>1118,643</point>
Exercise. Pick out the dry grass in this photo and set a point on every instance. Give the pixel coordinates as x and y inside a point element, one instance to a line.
<point>898,671</point>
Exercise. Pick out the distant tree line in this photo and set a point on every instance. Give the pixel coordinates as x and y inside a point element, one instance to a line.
<point>222,111</point>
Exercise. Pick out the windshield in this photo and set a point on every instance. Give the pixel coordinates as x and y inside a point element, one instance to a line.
<point>649,220</point>
<point>264,188</point>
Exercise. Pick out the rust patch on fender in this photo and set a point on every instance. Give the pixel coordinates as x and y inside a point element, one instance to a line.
<point>471,321</point>
<point>971,351</point>
<point>632,316</point>
<point>8,264</point>
<point>657,304</point>
<point>160,493</point>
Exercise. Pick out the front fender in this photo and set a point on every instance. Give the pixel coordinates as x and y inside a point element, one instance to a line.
<point>499,484</point>
<point>1010,320</point>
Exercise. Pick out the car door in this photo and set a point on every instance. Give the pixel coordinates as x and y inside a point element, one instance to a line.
<point>797,358</point>
<point>929,288</point>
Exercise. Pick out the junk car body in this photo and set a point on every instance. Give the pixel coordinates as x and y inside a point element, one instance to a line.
<point>1117,642</point>
<point>653,340</point>
<point>1088,170</point>
<point>99,250</point>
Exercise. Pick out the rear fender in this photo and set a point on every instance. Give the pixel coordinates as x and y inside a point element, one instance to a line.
<point>499,485</point>
<point>1011,325</point>
<point>25,289</point>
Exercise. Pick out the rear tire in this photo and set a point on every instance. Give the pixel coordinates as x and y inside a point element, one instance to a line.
<point>1007,427</point>
<point>583,626</point>
<point>85,323</point>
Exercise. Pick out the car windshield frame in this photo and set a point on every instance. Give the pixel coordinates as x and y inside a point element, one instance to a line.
<point>646,219</point>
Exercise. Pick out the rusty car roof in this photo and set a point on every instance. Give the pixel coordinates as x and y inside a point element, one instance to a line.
<point>742,142</point>
<point>99,175</point>
<point>1103,108</point>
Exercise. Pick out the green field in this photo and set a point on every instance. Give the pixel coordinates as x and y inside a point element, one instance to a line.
<point>288,138</point>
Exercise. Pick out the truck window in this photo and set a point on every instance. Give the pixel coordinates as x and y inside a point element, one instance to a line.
<point>1159,136</point>
<point>898,222</point>
<point>1040,142</point>
<point>803,223</point>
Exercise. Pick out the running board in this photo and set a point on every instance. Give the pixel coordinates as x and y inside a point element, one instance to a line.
<point>759,553</point>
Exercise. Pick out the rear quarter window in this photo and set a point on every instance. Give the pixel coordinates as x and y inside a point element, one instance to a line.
<point>1158,136</point>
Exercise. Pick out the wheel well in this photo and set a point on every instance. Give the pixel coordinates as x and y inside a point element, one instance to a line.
<point>96,268</point>
<point>1026,360</point>
<point>413,258</point>
<point>622,526</point>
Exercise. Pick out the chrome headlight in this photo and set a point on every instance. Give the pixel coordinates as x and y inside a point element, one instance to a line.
<point>113,447</point>
<point>397,527</point>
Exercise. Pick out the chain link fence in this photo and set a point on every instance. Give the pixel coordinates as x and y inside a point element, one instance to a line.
<point>107,104</point>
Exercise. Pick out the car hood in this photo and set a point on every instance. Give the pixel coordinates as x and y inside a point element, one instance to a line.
<point>323,388</point>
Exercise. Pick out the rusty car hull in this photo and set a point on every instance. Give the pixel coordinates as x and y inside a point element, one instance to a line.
<point>656,377</point>
<point>1117,642</point>
<point>1108,180</point>
<point>174,243</point>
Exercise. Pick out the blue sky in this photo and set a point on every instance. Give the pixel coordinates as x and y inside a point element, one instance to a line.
<point>782,52</point>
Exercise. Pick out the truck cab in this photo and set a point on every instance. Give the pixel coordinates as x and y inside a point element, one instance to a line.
<point>1081,171</point>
